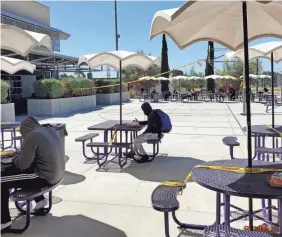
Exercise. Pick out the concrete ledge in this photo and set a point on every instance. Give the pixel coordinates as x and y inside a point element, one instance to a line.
<point>8,112</point>
<point>111,99</point>
<point>53,107</point>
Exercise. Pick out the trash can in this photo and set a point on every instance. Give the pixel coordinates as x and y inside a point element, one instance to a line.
<point>61,130</point>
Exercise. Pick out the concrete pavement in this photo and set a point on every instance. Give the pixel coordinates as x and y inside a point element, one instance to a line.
<point>112,202</point>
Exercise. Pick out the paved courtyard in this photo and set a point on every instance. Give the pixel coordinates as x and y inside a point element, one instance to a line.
<point>111,202</point>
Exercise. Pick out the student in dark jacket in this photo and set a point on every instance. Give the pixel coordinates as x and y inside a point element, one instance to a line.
<point>40,163</point>
<point>153,131</point>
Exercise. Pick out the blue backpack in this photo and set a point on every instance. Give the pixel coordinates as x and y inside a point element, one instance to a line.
<point>166,123</point>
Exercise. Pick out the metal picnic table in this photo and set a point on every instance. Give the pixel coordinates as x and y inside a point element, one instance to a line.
<point>260,132</point>
<point>9,127</point>
<point>111,126</point>
<point>241,185</point>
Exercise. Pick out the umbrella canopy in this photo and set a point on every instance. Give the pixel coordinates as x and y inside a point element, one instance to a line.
<point>161,78</point>
<point>260,51</point>
<point>195,78</point>
<point>13,65</point>
<point>179,78</point>
<point>215,77</point>
<point>22,41</point>
<point>228,77</point>
<point>113,58</point>
<point>253,76</point>
<point>218,21</point>
<point>146,78</point>
<point>119,60</point>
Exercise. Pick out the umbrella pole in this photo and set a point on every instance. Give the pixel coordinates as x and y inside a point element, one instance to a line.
<point>248,104</point>
<point>272,102</point>
<point>120,94</point>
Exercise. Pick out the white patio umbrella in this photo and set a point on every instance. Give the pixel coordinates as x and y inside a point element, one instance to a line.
<point>13,65</point>
<point>215,77</point>
<point>179,78</point>
<point>263,50</point>
<point>22,41</point>
<point>161,78</point>
<point>195,78</point>
<point>218,21</point>
<point>270,50</point>
<point>227,23</point>
<point>119,60</point>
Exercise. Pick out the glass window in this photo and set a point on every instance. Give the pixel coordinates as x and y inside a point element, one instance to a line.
<point>30,27</point>
<point>8,21</point>
<point>20,24</point>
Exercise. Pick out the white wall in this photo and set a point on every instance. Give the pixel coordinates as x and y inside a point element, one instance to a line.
<point>27,85</point>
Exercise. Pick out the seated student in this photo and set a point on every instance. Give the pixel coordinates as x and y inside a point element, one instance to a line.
<point>41,162</point>
<point>221,95</point>
<point>232,94</point>
<point>188,95</point>
<point>158,122</point>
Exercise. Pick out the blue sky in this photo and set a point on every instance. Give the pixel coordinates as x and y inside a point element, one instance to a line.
<point>91,26</point>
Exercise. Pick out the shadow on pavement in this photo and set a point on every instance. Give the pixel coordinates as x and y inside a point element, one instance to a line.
<point>191,233</point>
<point>69,226</point>
<point>162,168</point>
<point>72,178</point>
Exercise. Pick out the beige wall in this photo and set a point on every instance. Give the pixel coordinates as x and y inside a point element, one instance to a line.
<point>29,9</point>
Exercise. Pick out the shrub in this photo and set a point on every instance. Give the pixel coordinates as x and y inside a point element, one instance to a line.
<point>4,91</point>
<point>106,90</point>
<point>112,89</point>
<point>75,86</point>
<point>48,89</point>
<point>86,86</point>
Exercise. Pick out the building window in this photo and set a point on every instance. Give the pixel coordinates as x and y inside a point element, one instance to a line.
<point>30,27</point>
<point>8,21</point>
<point>20,24</point>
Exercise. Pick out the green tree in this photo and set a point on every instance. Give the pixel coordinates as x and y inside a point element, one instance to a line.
<point>164,64</point>
<point>236,68</point>
<point>177,73</point>
<point>210,59</point>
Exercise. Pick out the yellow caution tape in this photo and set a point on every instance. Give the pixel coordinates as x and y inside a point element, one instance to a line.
<point>222,168</point>
<point>141,79</point>
<point>243,84</point>
<point>280,133</point>
<point>114,138</point>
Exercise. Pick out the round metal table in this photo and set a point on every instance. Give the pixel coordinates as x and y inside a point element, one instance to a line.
<point>238,184</point>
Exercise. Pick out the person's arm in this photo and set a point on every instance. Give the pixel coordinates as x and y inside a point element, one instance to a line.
<point>27,155</point>
<point>150,126</point>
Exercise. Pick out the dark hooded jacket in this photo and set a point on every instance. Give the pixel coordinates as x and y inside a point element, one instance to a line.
<point>42,151</point>
<point>154,124</point>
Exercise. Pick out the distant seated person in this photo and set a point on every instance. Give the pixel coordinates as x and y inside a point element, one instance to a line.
<point>175,94</point>
<point>265,92</point>
<point>40,163</point>
<point>158,122</point>
<point>167,95</point>
<point>221,95</point>
<point>153,92</point>
<point>154,96</point>
<point>188,95</point>
<point>232,94</point>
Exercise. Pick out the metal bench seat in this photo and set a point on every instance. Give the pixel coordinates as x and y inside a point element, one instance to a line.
<point>86,137</point>
<point>27,195</point>
<point>231,142</point>
<point>268,150</point>
<point>155,141</point>
<point>106,144</point>
<point>226,231</point>
<point>164,199</point>
<point>101,160</point>
<point>83,140</point>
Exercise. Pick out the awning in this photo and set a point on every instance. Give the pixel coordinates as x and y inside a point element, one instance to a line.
<point>13,65</point>
<point>22,41</point>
